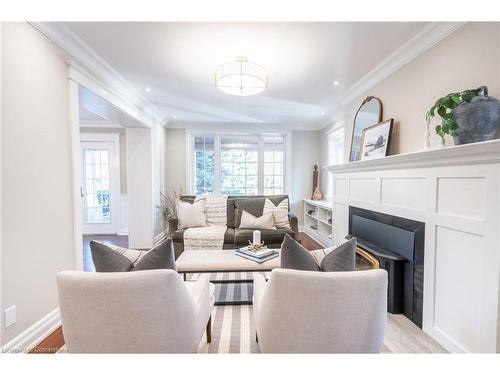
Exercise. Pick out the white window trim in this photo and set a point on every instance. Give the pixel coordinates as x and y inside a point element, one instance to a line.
<point>190,170</point>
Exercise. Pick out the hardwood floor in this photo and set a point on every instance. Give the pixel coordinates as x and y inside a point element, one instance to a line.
<point>402,336</point>
<point>51,344</point>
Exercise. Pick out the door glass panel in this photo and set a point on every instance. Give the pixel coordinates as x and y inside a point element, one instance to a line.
<point>97,186</point>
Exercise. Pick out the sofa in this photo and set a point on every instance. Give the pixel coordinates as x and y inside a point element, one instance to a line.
<point>236,237</point>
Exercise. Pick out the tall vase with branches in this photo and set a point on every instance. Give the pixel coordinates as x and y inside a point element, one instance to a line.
<point>168,208</point>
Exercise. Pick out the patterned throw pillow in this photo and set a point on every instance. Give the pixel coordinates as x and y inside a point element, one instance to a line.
<point>280,213</point>
<point>112,258</point>
<point>337,258</point>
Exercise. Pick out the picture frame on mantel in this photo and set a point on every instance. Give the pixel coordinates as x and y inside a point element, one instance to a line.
<point>376,140</point>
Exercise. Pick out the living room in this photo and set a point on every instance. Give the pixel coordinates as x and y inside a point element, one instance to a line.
<point>296,186</point>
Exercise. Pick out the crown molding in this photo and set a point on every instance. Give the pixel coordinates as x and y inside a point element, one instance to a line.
<point>421,42</point>
<point>255,127</point>
<point>93,69</point>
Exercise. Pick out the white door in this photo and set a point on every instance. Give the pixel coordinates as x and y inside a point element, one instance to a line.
<point>100,187</point>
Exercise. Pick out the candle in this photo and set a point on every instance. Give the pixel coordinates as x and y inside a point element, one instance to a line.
<point>256,237</point>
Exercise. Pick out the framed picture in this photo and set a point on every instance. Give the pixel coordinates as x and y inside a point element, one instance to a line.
<point>375,140</point>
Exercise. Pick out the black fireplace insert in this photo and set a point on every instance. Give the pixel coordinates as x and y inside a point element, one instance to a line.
<point>398,244</point>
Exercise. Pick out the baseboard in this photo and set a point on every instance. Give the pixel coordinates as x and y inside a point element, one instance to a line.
<point>35,334</point>
<point>160,237</point>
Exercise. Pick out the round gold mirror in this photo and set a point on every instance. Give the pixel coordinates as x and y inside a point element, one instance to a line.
<point>369,113</point>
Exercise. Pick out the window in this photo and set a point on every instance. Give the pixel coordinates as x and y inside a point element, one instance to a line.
<point>97,186</point>
<point>238,164</point>
<point>274,166</point>
<point>204,157</point>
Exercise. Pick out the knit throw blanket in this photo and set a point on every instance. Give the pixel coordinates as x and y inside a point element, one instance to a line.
<point>210,237</point>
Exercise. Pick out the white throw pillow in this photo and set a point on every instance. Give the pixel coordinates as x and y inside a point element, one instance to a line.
<point>248,221</point>
<point>191,215</point>
<point>280,213</point>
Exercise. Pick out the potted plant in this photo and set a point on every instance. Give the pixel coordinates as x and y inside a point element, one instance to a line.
<point>468,116</point>
<point>168,208</point>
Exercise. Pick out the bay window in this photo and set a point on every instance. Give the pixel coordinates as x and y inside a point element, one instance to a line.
<point>238,164</point>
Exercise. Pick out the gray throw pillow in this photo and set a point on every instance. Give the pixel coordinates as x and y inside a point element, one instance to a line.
<point>333,259</point>
<point>111,258</point>
<point>296,256</point>
<point>342,258</point>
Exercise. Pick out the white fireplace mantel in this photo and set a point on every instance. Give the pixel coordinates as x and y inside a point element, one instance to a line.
<point>473,153</point>
<point>455,191</point>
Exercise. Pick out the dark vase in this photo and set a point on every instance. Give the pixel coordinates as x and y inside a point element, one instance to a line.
<point>478,120</point>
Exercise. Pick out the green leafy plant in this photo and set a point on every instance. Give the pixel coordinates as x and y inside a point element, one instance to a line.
<point>443,108</point>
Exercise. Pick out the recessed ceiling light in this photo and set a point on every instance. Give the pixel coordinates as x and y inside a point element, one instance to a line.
<point>336,83</point>
<point>322,112</point>
<point>174,116</point>
<point>148,89</point>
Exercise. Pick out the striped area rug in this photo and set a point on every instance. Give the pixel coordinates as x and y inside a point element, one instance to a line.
<point>233,331</point>
<point>231,292</point>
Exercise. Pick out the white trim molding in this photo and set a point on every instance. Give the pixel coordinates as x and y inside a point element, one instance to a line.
<point>421,42</point>
<point>92,70</point>
<point>473,153</point>
<point>31,337</point>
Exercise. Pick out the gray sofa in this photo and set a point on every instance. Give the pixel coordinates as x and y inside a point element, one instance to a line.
<point>234,236</point>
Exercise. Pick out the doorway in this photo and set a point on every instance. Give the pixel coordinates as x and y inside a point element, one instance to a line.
<point>100,190</point>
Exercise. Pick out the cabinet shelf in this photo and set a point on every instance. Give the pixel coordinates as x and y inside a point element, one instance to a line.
<point>316,221</point>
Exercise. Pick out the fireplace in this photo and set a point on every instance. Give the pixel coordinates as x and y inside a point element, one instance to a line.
<point>398,246</point>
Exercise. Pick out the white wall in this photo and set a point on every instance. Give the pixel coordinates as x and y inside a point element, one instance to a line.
<point>140,187</point>
<point>306,152</point>
<point>159,137</point>
<point>176,160</point>
<point>1,126</point>
<point>37,215</point>
<point>468,58</point>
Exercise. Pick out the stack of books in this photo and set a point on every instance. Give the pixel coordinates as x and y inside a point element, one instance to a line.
<point>259,256</point>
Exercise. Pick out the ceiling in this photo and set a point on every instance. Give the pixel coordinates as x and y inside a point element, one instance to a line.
<point>94,111</point>
<point>178,62</point>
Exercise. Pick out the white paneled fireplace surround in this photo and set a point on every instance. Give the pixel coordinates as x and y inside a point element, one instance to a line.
<point>454,191</point>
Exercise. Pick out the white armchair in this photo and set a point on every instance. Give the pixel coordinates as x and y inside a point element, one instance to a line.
<point>134,312</point>
<point>320,312</point>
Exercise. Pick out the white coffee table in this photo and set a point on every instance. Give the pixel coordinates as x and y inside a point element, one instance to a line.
<point>202,261</point>
<point>211,261</point>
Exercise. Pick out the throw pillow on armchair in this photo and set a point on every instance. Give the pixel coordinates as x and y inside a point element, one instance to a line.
<point>111,258</point>
<point>331,259</point>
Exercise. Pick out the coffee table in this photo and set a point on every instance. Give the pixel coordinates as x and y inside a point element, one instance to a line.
<point>211,261</point>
